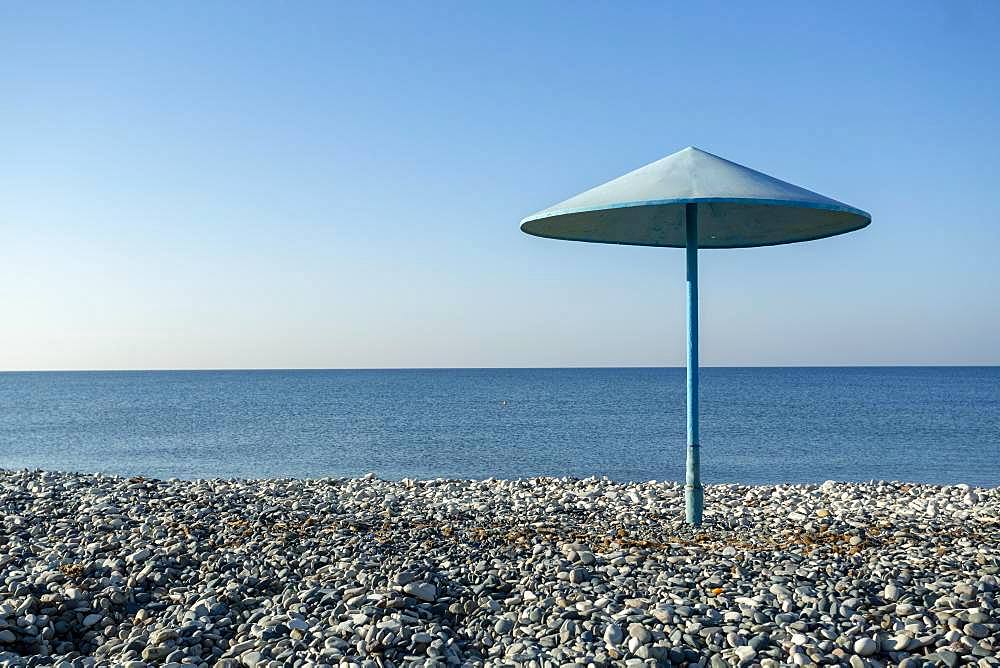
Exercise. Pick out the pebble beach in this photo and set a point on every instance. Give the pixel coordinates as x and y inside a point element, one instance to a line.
<point>104,570</point>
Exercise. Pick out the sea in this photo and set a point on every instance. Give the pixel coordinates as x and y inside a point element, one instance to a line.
<point>758,425</point>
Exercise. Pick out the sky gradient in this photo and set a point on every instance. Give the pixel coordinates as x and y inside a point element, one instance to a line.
<point>242,185</point>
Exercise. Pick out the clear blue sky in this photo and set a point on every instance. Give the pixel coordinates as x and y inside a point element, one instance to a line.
<point>234,185</point>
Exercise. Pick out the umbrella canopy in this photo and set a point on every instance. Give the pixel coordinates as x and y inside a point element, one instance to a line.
<point>738,207</point>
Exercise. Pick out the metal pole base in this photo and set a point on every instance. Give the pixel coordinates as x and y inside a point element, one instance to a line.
<point>694,493</point>
<point>694,501</point>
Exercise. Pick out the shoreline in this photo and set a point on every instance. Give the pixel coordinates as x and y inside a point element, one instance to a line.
<point>437,480</point>
<point>99,569</point>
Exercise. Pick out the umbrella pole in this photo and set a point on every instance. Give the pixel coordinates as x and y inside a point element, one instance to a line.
<point>694,493</point>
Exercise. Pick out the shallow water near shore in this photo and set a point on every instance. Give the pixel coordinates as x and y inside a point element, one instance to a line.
<point>759,425</point>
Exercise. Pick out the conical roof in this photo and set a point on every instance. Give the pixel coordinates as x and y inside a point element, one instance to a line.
<point>738,207</point>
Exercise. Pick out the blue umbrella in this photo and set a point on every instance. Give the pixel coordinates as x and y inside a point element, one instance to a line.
<point>693,199</point>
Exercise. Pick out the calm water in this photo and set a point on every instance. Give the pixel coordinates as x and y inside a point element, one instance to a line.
<point>930,424</point>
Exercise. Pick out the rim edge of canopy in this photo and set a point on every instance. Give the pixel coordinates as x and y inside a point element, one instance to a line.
<point>829,205</point>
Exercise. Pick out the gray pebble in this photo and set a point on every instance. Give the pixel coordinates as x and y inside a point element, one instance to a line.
<point>865,646</point>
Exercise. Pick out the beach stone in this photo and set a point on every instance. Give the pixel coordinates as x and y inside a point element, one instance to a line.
<point>745,654</point>
<point>640,633</point>
<point>139,556</point>
<point>155,653</point>
<point>161,636</point>
<point>977,631</point>
<point>865,646</point>
<point>947,657</point>
<point>297,624</point>
<point>613,634</point>
<point>404,577</point>
<point>251,658</point>
<point>898,643</point>
<point>425,591</point>
<point>503,626</point>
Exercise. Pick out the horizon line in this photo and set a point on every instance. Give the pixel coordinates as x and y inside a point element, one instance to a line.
<point>858,365</point>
